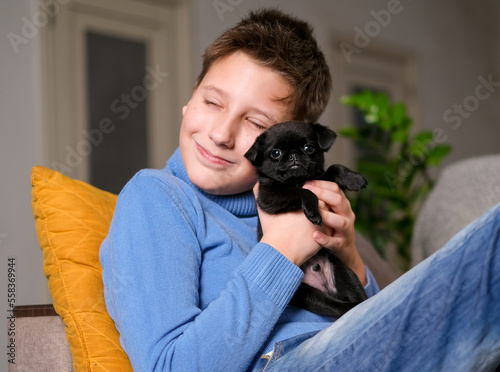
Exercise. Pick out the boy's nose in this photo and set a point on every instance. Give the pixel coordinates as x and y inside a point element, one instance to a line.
<point>222,133</point>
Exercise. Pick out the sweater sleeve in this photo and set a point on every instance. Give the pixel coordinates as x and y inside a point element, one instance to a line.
<point>151,263</point>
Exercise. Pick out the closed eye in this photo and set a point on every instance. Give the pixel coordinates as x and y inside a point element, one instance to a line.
<point>209,103</point>
<point>258,126</point>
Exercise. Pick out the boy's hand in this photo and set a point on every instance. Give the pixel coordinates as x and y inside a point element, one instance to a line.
<point>337,214</point>
<point>291,234</point>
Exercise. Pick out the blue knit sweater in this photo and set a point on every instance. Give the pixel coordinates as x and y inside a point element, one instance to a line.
<point>186,282</point>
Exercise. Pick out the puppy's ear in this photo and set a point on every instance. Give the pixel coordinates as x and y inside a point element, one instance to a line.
<point>253,153</point>
<point>325,136</point>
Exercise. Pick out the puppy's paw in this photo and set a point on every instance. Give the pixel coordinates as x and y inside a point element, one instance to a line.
<point>310,206</point>
<point>346,178</point>
<point>314,218</point>
<point>354,181</point>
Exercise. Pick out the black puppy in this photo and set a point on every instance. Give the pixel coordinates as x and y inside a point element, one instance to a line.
<point>329,287</point>
<point>286,156</point>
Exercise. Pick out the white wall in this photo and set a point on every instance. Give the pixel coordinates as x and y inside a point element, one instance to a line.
<point>20,149</point>
<point>455,42</point>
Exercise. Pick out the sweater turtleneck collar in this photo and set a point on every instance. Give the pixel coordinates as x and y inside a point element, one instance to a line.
<point>241,205</point>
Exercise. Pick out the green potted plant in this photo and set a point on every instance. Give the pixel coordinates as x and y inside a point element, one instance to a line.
<point>395,162</point>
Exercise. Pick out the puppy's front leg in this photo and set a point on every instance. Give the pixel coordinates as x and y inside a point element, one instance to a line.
<point>346,178</point>
<point>310,206</point>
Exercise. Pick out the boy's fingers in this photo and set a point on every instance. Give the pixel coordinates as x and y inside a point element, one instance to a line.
<point>337,222</point>
<point>331,194</point>
<point>330,242</point>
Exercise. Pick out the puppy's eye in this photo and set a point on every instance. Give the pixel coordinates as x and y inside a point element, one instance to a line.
<point>316,267</point>
<point>309,149</point>
<point>276,154</point>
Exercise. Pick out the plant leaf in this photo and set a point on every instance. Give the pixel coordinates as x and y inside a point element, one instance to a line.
<point>350,132</point>
<point>420,144</point>
<point>398,113</point>
<point>437,154</point>
<point>395,166</point>
<point>400,136</point>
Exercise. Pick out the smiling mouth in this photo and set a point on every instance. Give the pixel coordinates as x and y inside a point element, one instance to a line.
<point>207,156</point>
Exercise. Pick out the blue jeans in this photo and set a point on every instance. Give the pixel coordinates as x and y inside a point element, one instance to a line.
<point>443,315</point>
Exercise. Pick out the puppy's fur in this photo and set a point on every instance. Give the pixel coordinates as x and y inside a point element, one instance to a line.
<point>286,156</point>
<point>339,288</point>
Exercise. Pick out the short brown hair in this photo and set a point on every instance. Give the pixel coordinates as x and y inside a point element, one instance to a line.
<point>287,46</point>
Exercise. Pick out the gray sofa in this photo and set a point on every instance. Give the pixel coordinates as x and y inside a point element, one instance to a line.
<point>40,341</point>
<point>464,191</point>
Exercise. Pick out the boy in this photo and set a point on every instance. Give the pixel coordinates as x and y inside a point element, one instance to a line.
<point>186,282</point>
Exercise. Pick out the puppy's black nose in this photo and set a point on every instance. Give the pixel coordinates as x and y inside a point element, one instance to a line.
<point>292,157</point>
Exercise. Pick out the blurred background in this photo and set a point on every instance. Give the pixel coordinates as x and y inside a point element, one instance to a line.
<point>95,88</point>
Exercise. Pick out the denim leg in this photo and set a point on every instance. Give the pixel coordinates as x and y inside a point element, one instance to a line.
<point>443,315</point>
<point>279,349</point>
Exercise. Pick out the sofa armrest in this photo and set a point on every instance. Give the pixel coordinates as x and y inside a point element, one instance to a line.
<point>40,342</point>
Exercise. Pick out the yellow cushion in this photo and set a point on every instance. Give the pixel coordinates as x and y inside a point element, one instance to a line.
<point>72,219</point>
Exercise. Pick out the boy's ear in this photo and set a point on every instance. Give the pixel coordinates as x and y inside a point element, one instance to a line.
<point>325,136</point>
<point>184,108</point>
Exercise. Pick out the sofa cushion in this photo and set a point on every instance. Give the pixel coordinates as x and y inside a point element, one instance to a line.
<point>72,219</point>
<point>464,191</point>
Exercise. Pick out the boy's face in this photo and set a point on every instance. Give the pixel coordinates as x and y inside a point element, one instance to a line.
<point>236,100</point>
